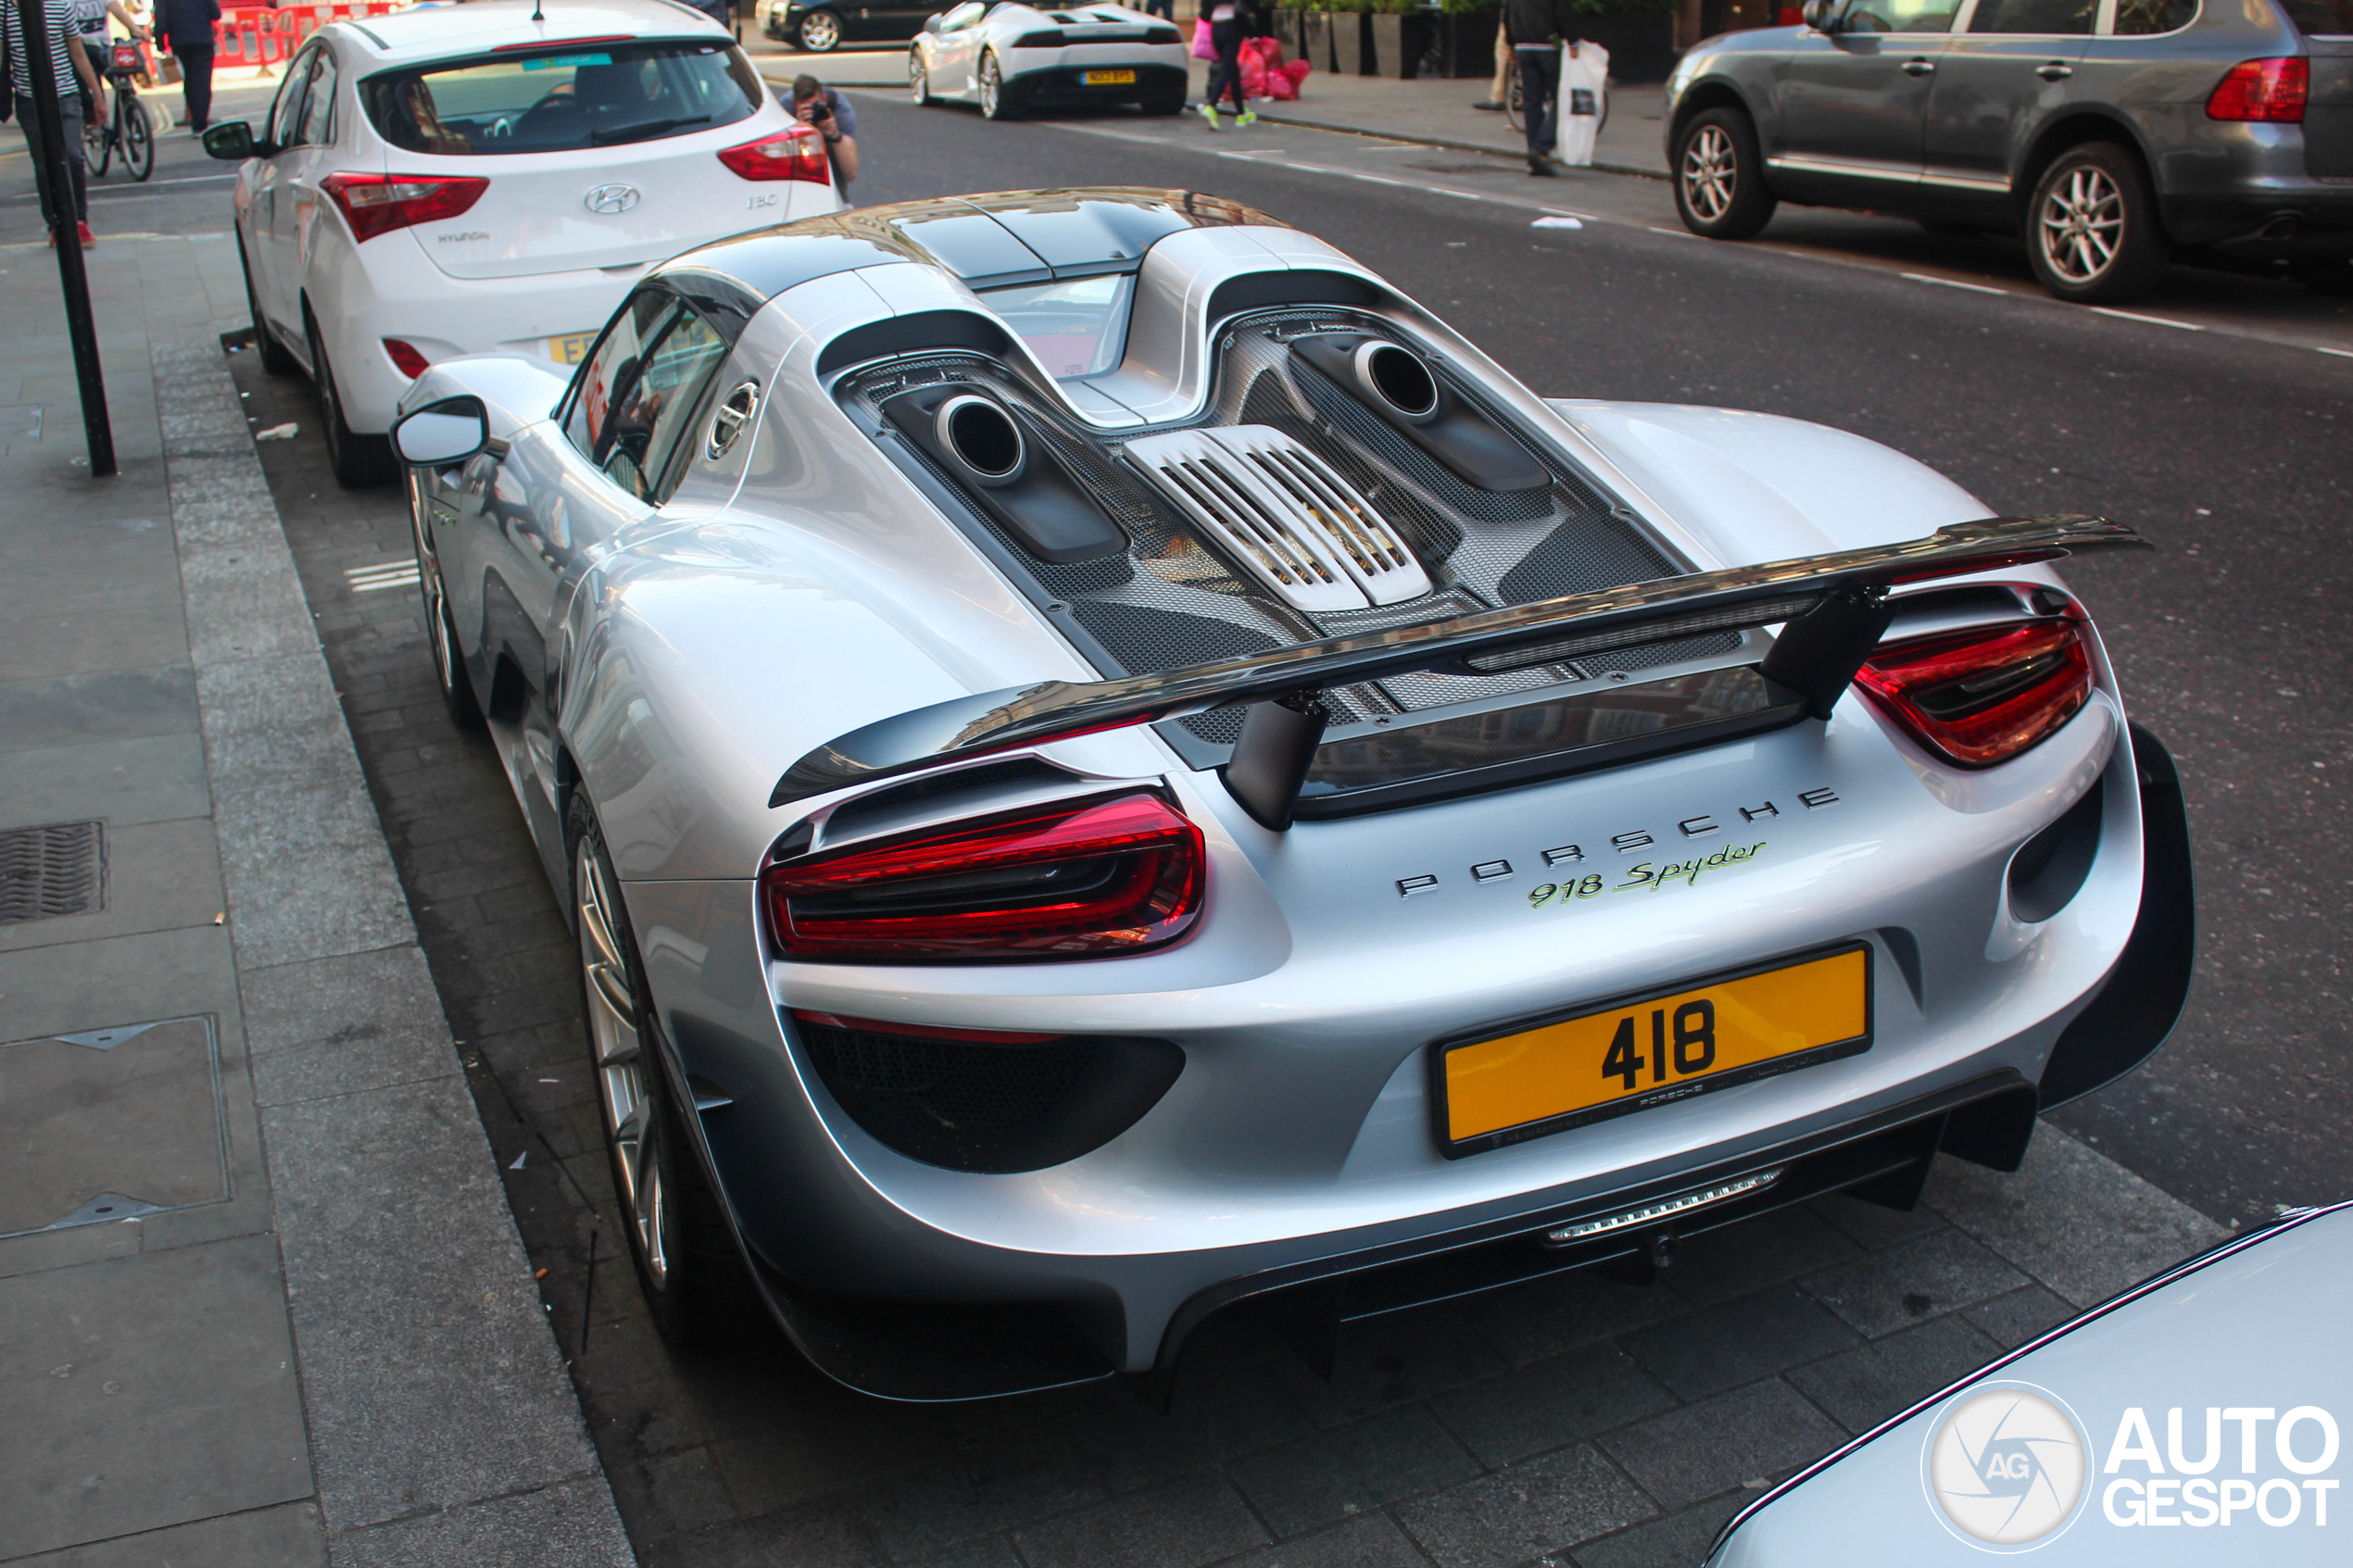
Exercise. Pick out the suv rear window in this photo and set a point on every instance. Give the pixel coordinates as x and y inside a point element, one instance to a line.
<point>2321,19</point>
<point>562,101</point>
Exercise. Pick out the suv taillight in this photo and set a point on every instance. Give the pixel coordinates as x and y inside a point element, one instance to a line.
<point>377,204</point>
<point>1108,875</point>
<point>2269,90</point>
<point>799,154</point>
<point>1981,696</point>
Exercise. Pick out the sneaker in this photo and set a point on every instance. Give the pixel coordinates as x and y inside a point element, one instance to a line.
<point>1209,113</point>
<point>88,239</point>
<point>1248,117</point>
<point>1496,104</point>
<point>1538,166</point>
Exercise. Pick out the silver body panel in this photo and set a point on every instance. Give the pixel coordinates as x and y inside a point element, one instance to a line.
<point>679,658</point>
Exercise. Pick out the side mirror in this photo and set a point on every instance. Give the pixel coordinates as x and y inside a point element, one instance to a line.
<point>231,140</point>
<point>444,432</point>
<point>1817,14</point>
<point>931,23</point>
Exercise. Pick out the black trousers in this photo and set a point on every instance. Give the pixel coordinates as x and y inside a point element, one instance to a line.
<point>195,84</point>
<point>69,115</point>
<point>1540,91</point>
<point>1164,9</point>
<point>1227,74</point>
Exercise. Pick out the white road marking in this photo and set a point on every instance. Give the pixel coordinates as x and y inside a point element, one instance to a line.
<point>2152,321</point>
<point>385,574</point>
<point>1954,283</point>
<point>2340,353</point>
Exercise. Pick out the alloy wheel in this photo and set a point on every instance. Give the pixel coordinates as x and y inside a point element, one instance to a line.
<point>1711,173</point>
<point>820,32</point>
<point>992,88</point>
<point>2082,224</point>
<point>619,1057</point>
<point>918,80</point>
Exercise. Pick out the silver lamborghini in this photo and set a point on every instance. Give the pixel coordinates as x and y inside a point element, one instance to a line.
<point>1110,768</point>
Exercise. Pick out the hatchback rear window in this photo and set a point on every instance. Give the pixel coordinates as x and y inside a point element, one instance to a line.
<point>562,101</point>
<point>2322,19</point>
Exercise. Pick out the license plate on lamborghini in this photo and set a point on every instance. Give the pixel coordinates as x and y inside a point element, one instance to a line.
<point>570,349</point>
<point>1651,1051</point>
<point>1110,78</point>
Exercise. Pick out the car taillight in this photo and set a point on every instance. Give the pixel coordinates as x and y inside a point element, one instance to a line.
<point>1112,874</point>
<point>377,204</point>
<point>405,360</point>
<point>2269,90</point>
<point>799,154</point>
<point>1981,696</point>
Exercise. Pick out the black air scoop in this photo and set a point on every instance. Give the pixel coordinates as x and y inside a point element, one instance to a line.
<point>1395,383</point>
<point>1025,487</point>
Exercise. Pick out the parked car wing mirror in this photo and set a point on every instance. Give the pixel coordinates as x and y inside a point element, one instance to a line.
<point>232,140</point>
<point>1817,14</point>
<point>444,432</point>
<point>931,23</point>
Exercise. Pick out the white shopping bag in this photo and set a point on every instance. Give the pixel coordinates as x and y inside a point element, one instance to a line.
<point>1584,101</point>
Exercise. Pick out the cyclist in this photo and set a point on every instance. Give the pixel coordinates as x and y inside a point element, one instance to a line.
<point>90,22</point>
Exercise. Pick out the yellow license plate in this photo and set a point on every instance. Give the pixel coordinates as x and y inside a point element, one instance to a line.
<point>1110,78</point>
<point>1749,1025</point>
<point>571,350</point>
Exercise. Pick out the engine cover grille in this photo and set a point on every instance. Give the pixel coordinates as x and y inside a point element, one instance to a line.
<point>1284,515</point>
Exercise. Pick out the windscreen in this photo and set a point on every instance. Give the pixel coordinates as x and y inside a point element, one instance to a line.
<point>2321,19</point>
<point>1075,326</point>
<point>552,102</point>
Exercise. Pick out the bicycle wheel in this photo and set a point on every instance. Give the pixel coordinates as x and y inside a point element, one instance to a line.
<point>1512,106</point>
<point>138,140</point>
<point>98,146</point>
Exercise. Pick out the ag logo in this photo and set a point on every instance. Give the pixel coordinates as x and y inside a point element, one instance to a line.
<point>2005,1468</point>
<point>610,199</point>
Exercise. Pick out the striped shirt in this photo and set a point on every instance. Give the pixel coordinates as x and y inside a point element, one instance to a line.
<point>59,18</point>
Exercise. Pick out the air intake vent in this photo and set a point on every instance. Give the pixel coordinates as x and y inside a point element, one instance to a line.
<point>1284,515</point>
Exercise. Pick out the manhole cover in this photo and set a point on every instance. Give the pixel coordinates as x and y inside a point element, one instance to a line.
<point>104,1125</point>
<point>53,871</point>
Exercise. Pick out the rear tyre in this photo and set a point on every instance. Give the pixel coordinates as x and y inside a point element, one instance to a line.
<point>138,141</point>
<point>2092,230</point>
<point>98,146</point>
<point>918,78</point>
<point>992,90</point>
<point>359,462</point>
<point>441,629</point>
<point>1719,177</point>
<point>275,357</point>
<point>818,33</point>
<point>697,1288</point>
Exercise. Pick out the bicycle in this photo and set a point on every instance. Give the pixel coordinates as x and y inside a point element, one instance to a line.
<point>126,129</point>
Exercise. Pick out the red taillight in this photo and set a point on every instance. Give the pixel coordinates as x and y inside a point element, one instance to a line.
<point>2270,90</point>
<point>797,153</point>
<point>377,204</point>
<point>1116,875</point>
<point>405,360</point>
<point>1981,696</point>
<point>924,1031</point>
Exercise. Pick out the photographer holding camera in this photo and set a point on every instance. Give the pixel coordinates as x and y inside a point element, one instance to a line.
<point>815,104</point>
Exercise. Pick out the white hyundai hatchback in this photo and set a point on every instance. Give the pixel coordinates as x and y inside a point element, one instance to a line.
<point>470,178</point>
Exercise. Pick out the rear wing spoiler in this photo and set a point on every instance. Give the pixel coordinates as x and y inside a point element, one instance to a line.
<point>1834,607</point>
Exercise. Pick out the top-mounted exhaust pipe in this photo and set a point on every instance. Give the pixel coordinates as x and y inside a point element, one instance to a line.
<point>982,438</point>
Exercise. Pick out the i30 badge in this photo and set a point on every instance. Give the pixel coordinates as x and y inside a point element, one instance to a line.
<point>610,199</point>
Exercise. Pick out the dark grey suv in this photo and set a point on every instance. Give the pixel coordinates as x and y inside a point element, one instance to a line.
<point>2111,133</point>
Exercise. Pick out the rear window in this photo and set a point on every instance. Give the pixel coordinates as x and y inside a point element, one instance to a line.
<point>561,102</point>
<point>2322,19</point>
<point>1075,326</point>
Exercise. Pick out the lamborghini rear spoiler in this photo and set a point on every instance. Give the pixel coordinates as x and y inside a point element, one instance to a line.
<point>1834,606</point>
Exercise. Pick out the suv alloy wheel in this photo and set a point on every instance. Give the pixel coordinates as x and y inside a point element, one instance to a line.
<point>2092,230</point>
<point>1719,177</point>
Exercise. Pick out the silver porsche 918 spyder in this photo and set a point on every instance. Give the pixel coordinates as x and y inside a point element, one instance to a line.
<point>1109,767</point>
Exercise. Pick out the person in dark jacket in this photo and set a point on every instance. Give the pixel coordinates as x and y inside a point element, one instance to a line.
<point>188,25</point>
<point>1230,21</point>
<point>1536,30</point>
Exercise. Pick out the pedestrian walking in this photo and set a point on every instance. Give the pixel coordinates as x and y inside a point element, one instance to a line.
<point>1498,97</point>
<point>1164,9</point>
<point>68,64</point>
<point>1230,21</point>
<point>187,26</point>
<point>815,104</point>
<point>1536,30</point>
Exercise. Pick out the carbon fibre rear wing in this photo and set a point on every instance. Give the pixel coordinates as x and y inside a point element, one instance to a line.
<point>1834,607</point>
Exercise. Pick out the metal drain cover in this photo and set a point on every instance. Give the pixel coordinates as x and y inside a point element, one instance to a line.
<point>53,871</point>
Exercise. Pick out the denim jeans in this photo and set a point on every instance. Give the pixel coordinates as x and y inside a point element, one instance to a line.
<point>69,111</point>
<point>1540,91</point>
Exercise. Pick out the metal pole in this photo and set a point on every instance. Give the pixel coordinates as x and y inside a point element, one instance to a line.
<point>57,179</point>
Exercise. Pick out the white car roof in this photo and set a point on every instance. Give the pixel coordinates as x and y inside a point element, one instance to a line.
<point>429,32</point>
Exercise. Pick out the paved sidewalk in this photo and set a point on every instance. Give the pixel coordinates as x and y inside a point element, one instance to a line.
<point>262,1301</point>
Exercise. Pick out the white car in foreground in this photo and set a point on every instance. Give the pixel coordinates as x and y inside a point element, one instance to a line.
<point>1011,58</point>
<point>458,180</point>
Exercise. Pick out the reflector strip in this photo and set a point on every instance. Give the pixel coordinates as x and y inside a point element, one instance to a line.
<point>1666,1208</point>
